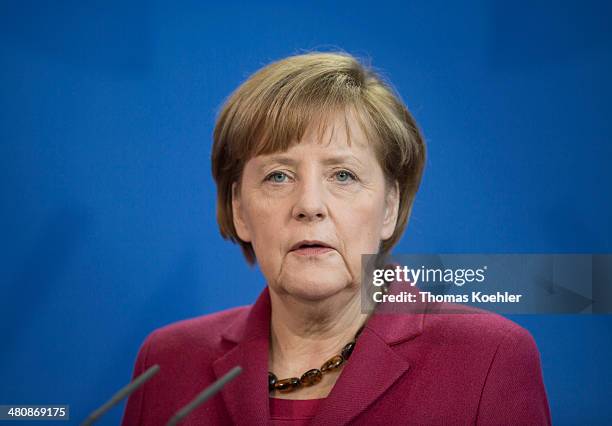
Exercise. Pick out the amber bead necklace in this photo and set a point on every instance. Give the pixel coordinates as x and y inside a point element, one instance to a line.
<point>315,375</point>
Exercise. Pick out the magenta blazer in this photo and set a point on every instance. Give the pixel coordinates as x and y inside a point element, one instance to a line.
<point>406,369</point>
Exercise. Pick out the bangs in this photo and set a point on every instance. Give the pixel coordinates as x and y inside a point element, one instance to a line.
<point>292,123</point>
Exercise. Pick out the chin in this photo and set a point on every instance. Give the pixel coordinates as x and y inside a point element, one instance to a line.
<point>315,284</point>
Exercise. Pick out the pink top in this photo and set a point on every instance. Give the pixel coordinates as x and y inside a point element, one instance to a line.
<point>293,412</point>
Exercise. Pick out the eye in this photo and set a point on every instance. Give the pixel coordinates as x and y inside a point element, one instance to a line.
<point>344,176</point>
<point>277,177</point>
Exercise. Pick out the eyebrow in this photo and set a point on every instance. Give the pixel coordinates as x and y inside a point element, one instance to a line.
<point>282,159</point>
<point>342,159</point>
<point>336,159</point>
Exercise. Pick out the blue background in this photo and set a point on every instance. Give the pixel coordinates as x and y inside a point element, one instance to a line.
<point>108,205</point>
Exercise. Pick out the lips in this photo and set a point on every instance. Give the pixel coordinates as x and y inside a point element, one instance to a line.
<point>309,243</point>
<point>310,248</point>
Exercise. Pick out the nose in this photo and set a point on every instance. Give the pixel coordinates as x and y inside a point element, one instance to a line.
<point>310,203</point>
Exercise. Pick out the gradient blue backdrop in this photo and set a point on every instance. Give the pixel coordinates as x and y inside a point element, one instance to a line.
<point>108,206</point>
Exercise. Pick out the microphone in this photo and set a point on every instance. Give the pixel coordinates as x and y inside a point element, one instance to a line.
<point>122,393</point>
<point>204,395</point>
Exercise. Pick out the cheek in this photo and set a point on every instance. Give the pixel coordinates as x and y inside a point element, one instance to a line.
<point>361,224</point>
<point>265,219</point>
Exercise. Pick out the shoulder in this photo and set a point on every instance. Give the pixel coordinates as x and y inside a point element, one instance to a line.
<point>203,327</point>
<point>203,334</point>
<point>500,364</point>
<point>476,327</point>
<point>184,351</point>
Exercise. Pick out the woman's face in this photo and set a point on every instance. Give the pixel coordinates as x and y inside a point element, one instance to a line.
<point>312,211</point>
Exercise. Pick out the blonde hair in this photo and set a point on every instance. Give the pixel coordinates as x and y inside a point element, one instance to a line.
<point>273,108</point>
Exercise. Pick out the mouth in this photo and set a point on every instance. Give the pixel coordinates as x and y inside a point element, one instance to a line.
<point>310,248</point>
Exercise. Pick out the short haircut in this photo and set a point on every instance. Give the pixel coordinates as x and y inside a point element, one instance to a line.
<point>273,108</point>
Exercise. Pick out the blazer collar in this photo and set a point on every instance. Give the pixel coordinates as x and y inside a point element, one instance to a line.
<point>392,327</point>
<point>374,366</point>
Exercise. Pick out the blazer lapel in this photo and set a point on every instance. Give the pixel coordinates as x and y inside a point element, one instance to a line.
<point>372,369</point>
<point>246,397</point>
<point>374,365</point>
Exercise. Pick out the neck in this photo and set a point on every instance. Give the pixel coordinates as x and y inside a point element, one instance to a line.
<point>304,334</point>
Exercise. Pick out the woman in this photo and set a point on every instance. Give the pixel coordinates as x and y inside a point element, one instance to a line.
<point>317,162</point>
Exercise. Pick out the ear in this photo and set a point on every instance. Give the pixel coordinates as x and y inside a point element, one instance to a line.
<point>241,226</point>
<point>391,212</point>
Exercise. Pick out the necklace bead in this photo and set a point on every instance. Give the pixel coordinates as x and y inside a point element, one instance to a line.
<point>311,377</point>
<point>332,363</point>
<point>287,385</point>
<point>271,381</point>
<point>347,350</point>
